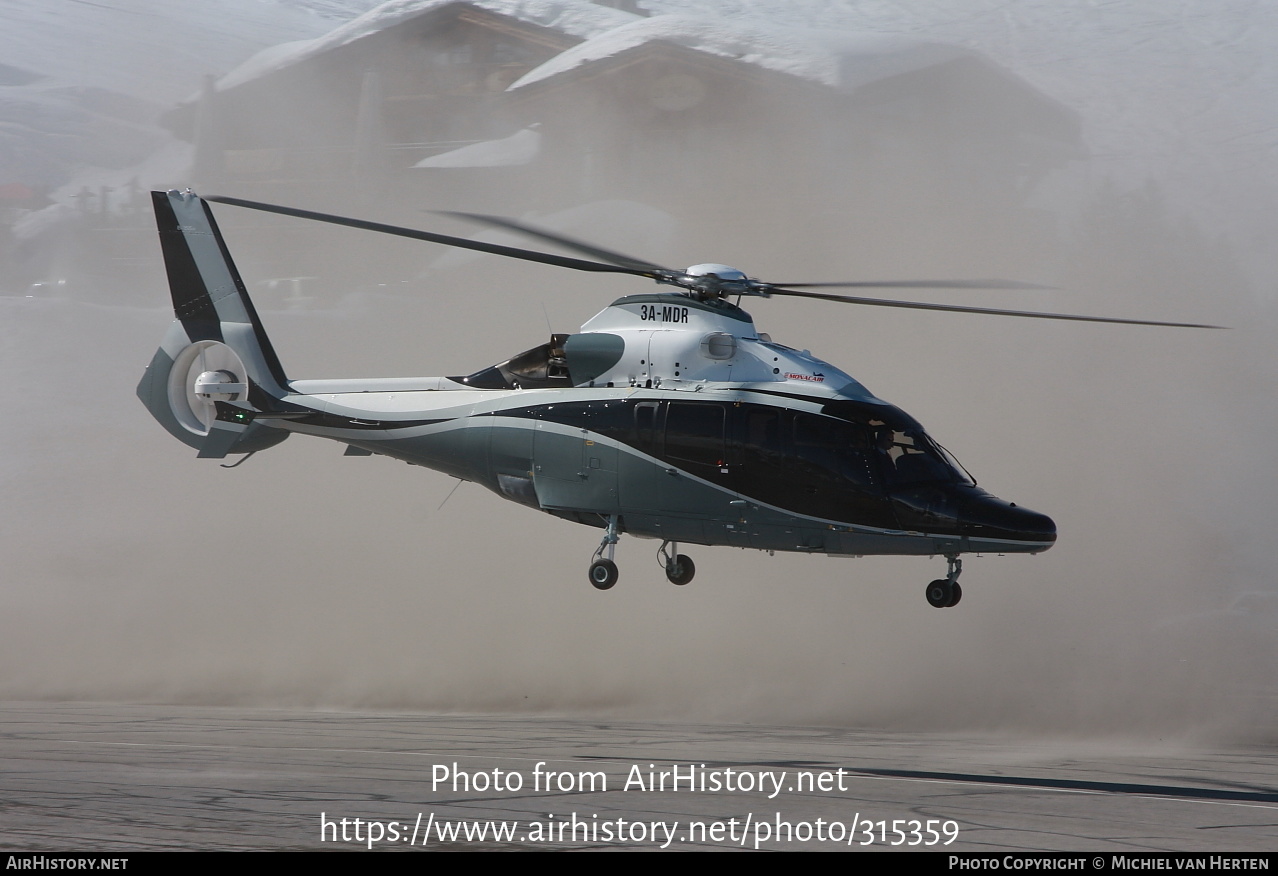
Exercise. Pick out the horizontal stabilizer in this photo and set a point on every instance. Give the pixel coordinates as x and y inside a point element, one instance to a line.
<point>220,439</point>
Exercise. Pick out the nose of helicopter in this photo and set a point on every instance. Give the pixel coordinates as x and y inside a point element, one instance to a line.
<point>984,516</point>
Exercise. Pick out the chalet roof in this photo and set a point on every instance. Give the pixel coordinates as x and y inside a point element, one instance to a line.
<point>839,60</point>
<point>581,19</point>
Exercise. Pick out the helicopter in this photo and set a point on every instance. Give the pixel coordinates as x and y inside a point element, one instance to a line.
<point>668,416</point>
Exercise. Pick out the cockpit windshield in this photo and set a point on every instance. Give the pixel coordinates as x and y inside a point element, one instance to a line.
<point>906,454</point>
<point>909,456</point>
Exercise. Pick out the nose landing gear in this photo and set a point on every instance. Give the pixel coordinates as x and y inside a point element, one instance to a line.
<point>946,592</point>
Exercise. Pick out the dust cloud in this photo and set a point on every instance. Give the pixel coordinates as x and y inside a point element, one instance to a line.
<point>134,571</point>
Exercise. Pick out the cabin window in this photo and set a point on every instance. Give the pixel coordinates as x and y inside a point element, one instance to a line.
<point>694,433</point>
<point>833,449</point>
<point>762,443</point>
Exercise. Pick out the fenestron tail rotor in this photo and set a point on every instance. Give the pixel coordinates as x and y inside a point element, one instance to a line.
<point>706,281</point>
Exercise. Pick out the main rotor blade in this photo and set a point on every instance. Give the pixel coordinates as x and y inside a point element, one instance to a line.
<point>952,308</point>
<point>589,249</point>
<point>445,239</point>
<point>917,284</point>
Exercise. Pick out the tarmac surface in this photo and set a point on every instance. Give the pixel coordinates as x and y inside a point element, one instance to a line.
<point>116,777</point>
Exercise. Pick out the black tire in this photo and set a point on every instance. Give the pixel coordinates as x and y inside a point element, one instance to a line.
<point>940,593</point>
<point>958,594</point>
<point>680,571</point>
<point>603,574</point>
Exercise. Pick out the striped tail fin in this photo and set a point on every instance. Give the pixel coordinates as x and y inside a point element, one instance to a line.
<point>216,349</point>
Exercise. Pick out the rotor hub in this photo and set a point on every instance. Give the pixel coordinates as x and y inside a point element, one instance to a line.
<point>712,280</point>
<point>718,272</point>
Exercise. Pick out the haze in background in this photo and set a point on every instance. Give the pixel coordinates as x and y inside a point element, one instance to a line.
<point>135,571</point>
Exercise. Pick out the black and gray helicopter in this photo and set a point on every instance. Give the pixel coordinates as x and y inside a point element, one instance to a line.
<point>668,416</point>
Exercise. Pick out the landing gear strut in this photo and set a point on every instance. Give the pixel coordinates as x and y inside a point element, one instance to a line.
<point>679,568</point>
<point>946,592</point>
<point>603,571</point>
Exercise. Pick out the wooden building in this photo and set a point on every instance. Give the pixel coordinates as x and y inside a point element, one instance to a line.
<point>511,106</point>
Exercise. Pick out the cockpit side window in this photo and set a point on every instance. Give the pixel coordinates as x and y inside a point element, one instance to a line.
<point>903,452</point>
<point>908,456</point>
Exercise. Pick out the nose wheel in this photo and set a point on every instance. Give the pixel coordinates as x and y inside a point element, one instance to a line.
<point>946,592</point>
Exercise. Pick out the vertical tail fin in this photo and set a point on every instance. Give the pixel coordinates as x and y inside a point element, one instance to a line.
<point>209,298</point>
<point>217,349</point>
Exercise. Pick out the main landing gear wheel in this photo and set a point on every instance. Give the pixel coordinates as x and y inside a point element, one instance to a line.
<point>603,571</point>
<point>603,574</point>
<point>681,570</point>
